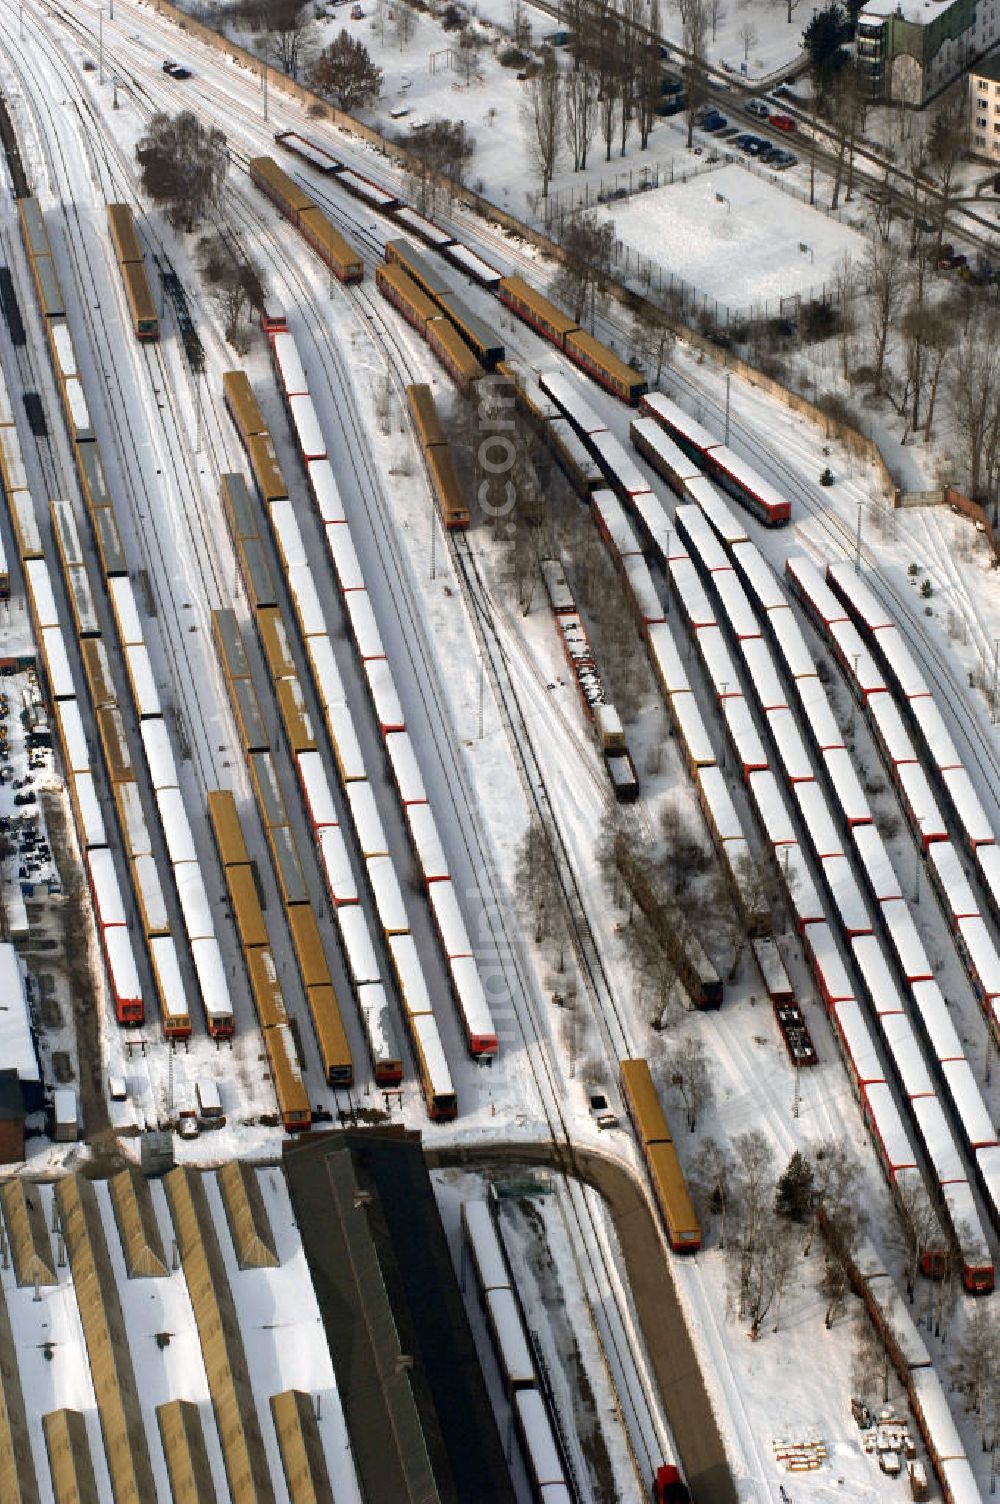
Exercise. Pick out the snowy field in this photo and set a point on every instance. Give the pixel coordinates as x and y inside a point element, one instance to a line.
<point>736,237</point>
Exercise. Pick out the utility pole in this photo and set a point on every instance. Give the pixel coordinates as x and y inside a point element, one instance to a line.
<point>265,78</point>
<point>993,696</point>
<point>728,379</point>
<point>100,45</point>
<point>482,695</point>
<point>857,541</point>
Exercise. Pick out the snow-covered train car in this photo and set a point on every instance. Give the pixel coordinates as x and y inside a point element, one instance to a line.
<point>826,964</point>
<point>848,900</point>
<point>808,584</point>
<point>405,768</point>
<point>845,785</point>
<point>567,394</point>
<point>736,608</point>
<point>758,576</point>
<point>364,628</point>
<point>344,556</point>
<point>953,887</point>
<point>367,820</point>
<point>876,975</point>
<point>691,593</point>
<point>356,943</point>
<point>820,719</point>
<point>337,866</point>
<point>613,524</point>
<point>772,812</point>
<point>973,821</point>
<point>618,467</point>
<point>905,941</point>
<point>426,841</point>
<point>858,663</point>
<point>821,829</point>
<point>787,738</point>
<point>790,643</point>
<point>891,736</point>
<point>743,734</point>
<point>919,805</point>
<point>700,537</point>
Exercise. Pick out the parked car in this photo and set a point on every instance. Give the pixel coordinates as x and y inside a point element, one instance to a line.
<point>784,159</point>
<point>756,146</point>
<point>759,108</point>
<point>743,140</point>
<point>673,105</point>
<point>783,122</point>
<point>176,70</point>
<point>670,84</point>
<point>716,121</point>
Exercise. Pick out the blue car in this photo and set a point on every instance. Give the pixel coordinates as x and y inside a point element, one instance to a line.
<point>743,141</point>
<point>714,122</point>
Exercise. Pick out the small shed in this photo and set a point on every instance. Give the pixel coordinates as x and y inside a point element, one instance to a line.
<point>65,1121</point>
<point>156,1153</point>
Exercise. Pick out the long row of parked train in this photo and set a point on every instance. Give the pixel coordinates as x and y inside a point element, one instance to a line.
<point>301,736</point>
<point>432,305</point>
<point>915,1369</point>
<point>698,548</point>
<point>541,1446</point>
<point>922,761</point>
<point>835,856</point>
<point>119,751</point>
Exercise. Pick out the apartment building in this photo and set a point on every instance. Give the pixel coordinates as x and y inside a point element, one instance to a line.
<point>984,112</point>
<point>911,49</point>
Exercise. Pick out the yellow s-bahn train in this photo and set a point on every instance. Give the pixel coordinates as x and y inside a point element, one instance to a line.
<point>132,265</point>
<point>680,1221</point>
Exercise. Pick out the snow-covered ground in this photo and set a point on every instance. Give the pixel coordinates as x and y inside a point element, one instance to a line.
<point>754,1083</point>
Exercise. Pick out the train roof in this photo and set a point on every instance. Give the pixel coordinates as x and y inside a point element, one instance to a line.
<point>536,1427</point>
<point>888,1126</point>
<point>693,732</point>
<point>615,522</point>
<point>937,737</point>
<point>194,900</point>
<point>858,1041</point>
<point>701,536</point>
<point>659,525</point>
<point>478,267</point>
<point>674,460</point>
<point>888,720</point>
<point>820,826</point>
<point>937,1021</point>
<point>567,392</point>
<point>211,972</point>
<point>720,514</point>
<point>107,890</point>
<point>715,792</point>
<point>316,786</point>
<point>826,953</point>
<point>918,794</point>
<point>802,891</point>
<point>944,858</point>
<point>815,589</point>
<point>855,656</point>
<point>673,417</point>
<point>326,491</point>
<point>691,593</point>
<point>907,1054</point>
<point>376,1011</point>
<point>427,842</point>
<point>968,1100</point>
<point>291,372</point>
<point>877,975</point>
<point>816,707</point>
<point>307,427</point>
<point>361,614</point>
<point>740,614</point>
<point>743,731</point>
<point>617,464</point>
<point>772,967</point>
<point>405,767</point>
<point>972,817</point>
<point>906,942</point>
<point>978,942</point>
<point>425,228</point>
<point>337,864</point>
<point>719,665</point>
<point>125,609</point>
<point>760,578</point>
<point>852,588</point>
<point>176,826</point>
<point>448,916</point>
<point>489,342</point>
<point>388,895</point>
<point>484,1243</point>
<point>667,660</point>
<point>468,984</point>
<point>787,738</point>
<point>356,939</point>
<point>847,897</point>
<point>428,1040</point>
<point>305,598</point>
<point>938,1139</point>
<point>901,663</point>
<point>790,642</point>
<point>366,818</point>
<point>409,973</point>
<point>847,788</point>
<point>121,963</point>
<point>340,546</point>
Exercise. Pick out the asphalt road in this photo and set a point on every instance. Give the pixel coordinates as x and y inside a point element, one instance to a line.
<point>665,1333</point>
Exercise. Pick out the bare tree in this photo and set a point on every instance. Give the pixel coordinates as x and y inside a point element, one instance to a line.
<point>536,882</point>
<point>711,1175</point>
<point>947,142</point>
<point>884,274</point>
<point>941,335</point>
<point>791,6</point>
<point>586,243</point>
<point>345,73</point>
<point>183,166</point>
<point>975,1370</point>
<point>975,397</point>
<point>580,106</point>
<point>653,337</point>
<point>648,75</point>
<point>520,25</point>
<point>919,1225</point>
<point>291,33</point>
<point>405,20</point>
<point>541,112</point>
<point>609,91</point>
<point>235,284</point>
<point>694,16</point>
<point>845,282</point>
<point>870,1363</point>
<point>717,12</point>
<point>687,1070</point>
<point>847,106</point>
<point>438,155</point>
<point>749,36</point>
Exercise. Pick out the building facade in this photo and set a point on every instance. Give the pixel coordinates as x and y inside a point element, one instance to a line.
<point>984,109</point>
<point>910,50</point>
